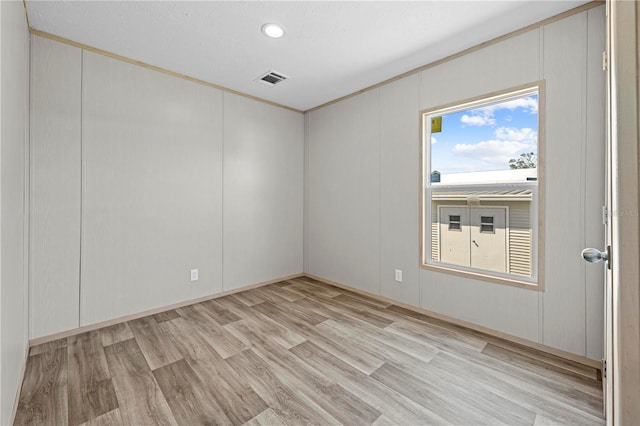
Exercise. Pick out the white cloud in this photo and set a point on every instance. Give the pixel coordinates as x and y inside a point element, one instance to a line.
<point>524,134</point>
<point>433,140</point>
<point>526,103</point>
<point>484,116</point>
<point>529,104</point>
<point>509,143</point>
<point>478,120</point>
<point>497,152</point>
<point>488,148</point>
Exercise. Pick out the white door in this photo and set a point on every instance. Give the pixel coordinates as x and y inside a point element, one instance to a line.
<point>623,316</point>
<point>454,235</point>
<point>489,238</point>
<point>595,255</point>
<point>621,383</point>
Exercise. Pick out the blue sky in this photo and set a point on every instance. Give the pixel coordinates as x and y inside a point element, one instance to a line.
<point>485,138</point>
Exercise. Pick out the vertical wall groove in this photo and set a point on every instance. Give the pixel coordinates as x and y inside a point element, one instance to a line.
<point>381,176</point>
<point>222,137</point>
<point>583,171</point>
<point>81,186</point>
<point>541,74</point>
<point>305,214</point>
<point>27,184</point>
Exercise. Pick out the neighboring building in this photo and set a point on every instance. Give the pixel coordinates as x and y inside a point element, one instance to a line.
<point>484,229</point>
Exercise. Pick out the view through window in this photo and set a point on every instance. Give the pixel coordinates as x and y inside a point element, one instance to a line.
<point>481,177</point>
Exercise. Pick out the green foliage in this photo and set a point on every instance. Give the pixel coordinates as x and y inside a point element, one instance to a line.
<point>528,160</point>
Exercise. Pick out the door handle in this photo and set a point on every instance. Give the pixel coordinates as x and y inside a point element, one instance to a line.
<point>593,255</point>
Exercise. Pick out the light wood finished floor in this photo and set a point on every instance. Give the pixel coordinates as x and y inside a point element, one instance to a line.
<point>300,352</point>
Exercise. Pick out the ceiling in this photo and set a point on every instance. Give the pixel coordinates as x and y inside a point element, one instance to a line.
<point>330,48</point>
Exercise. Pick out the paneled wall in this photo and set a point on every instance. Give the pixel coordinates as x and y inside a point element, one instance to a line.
<point>363,186</point>
<point>55,186</point>
<point>139,177</point>
<point>151,189</point>
<point>343,204</point>
<point>14,204</point>
<point>263,178</point>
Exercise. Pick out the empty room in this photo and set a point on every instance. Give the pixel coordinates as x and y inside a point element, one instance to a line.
<point>319,212</point>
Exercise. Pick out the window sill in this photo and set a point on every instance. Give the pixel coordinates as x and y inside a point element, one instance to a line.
<point>513,282</point>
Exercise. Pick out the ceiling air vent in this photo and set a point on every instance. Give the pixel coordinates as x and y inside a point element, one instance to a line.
<point>272,78</point>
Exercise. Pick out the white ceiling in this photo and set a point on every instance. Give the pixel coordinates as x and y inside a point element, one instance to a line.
<point>330,49</point>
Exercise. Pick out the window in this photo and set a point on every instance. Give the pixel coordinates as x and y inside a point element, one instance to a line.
<point>481,179</point>
<point>454,223</point>
<point>486,224</point>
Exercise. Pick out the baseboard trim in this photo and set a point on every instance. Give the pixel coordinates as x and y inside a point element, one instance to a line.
<point>494,333</point>
<point>98,325</point>
<point>16,401</point>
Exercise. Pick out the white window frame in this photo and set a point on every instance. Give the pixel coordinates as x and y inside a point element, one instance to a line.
<point>536,281</point>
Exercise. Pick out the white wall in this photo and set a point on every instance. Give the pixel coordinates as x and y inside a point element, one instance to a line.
<point>14,89</point>
<point>363,185</point>
<point>139,177</point>
<point>263,192</point>
<point>55,187</point>
<point>343,204</point>
<point>151,189</point>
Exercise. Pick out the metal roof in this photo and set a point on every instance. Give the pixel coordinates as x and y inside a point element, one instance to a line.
<point>500,195</point>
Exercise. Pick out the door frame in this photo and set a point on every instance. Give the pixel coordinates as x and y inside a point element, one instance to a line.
<point>623,350</point>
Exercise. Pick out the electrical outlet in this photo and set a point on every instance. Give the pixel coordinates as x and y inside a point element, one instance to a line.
<point>398,275</point>
<point>194,275</point>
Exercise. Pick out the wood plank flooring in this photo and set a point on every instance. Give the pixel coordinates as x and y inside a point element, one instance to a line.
<point>300,352</point>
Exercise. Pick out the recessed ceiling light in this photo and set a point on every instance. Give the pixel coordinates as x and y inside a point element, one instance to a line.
<point>272,30</point>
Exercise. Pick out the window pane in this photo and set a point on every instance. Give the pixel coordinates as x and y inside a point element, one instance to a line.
<point>487,228</point>
<point>481,179</point>
<point>488,144</point>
